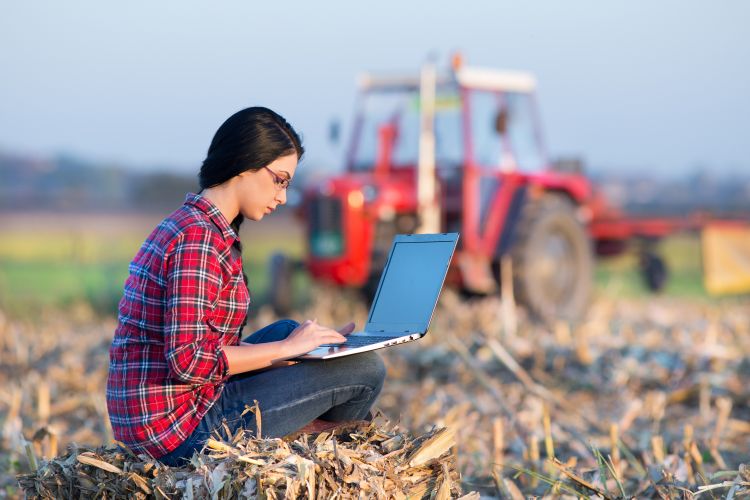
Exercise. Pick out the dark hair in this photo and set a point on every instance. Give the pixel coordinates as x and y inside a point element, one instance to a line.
<point>250,139</point>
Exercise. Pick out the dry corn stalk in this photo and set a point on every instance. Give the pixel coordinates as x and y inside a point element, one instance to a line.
<point>375,459</point>
<point>645,367</point>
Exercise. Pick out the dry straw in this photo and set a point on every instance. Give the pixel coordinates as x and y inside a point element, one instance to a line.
<point>642,399</point>
<point>375,460</point>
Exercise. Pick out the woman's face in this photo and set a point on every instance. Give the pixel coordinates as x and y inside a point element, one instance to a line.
<point>259,190</point>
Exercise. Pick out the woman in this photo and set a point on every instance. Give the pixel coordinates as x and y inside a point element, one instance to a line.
<point>178,370</point>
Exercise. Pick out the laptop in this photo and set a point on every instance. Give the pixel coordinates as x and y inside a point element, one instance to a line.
<point>406,297</point>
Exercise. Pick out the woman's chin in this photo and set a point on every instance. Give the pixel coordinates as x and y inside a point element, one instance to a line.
<point>254,217</point>
<point>257,215</point>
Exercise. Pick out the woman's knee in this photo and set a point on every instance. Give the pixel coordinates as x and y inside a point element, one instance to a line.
<point>370,369</point>
<point>378,369</point>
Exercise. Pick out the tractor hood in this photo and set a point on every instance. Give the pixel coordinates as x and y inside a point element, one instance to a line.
<point>378,196</point>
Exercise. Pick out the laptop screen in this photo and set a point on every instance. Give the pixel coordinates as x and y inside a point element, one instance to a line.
<point>411,282</point>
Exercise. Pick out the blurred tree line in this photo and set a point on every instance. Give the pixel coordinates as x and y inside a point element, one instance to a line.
<point>71,184</point>
<point>67,183</point>
<point>701,190</point>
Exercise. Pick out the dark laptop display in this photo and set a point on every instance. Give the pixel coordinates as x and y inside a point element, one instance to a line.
<point>406,297</point>
<point>410,283</point>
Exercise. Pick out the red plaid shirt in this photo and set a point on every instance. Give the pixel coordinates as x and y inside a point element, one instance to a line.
<point>184,299</point>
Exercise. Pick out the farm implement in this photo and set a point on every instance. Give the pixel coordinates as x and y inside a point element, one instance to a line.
<point>463,151</point>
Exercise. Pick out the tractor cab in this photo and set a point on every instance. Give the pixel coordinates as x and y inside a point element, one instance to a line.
<point>480,119</point>
<point>433,152</point>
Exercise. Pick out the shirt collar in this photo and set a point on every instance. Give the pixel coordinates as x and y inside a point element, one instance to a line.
<point>205,205</point>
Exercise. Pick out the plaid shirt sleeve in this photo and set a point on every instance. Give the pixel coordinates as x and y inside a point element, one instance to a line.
<point>184,299</point>
<point>194,280</point>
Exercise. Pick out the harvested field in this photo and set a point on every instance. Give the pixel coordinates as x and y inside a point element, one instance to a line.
<point>646,398</point>
<point>373,459</point>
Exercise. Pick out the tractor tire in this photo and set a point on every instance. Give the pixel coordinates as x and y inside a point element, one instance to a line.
<point>553,260</point>
<point>369,289</point>
<point>280,286</point>
<point>654,271</point>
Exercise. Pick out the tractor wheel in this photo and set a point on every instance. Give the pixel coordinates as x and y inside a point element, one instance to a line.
<point>369,288</point>
<point>280,288</point>
<point>654,271</point>
<point>552,260</point>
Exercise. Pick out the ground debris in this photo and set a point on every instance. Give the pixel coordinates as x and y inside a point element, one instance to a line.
<point>641,399</point>
<point>376,459</point>
<point>644,398</point>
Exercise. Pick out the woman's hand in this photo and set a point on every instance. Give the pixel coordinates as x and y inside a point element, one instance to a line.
<point>306,337</point>
<point>309,335</point>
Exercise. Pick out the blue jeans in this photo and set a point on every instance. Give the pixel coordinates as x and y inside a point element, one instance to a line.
<point>289,397</point>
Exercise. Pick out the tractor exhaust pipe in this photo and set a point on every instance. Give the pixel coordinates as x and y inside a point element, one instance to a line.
<point>427,195</point>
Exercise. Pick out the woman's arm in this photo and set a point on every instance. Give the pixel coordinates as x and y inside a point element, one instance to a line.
<point>193,280</point>
<point>306,337</point>
<point>194,351</point>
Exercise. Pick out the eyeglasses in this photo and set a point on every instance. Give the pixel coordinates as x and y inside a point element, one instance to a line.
<point>281,182</point>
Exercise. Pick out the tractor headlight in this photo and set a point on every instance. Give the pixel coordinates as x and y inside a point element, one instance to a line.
<point>356,199</point>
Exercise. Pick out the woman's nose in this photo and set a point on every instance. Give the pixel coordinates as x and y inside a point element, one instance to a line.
<point>281,196</point>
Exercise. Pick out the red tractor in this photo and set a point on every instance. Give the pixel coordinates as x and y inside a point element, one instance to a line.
<point>461,151</point>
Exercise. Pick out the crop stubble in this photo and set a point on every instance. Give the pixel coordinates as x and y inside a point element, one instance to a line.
<point>645,397</point>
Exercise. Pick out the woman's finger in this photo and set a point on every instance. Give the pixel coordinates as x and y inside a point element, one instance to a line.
<point>333,335</point>
<point>335,340</point>
<point>346,329</point>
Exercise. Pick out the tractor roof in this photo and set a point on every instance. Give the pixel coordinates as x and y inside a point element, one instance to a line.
<point>472,77</point>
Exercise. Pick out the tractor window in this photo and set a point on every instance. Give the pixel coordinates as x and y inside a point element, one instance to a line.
<point>398,110</point>
<point>522,134</point>
<point>486,141</point>
<point>449,145</point>
<point>503,130</point>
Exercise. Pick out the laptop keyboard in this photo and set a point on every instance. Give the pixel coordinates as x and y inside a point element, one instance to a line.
<point>359,341</point>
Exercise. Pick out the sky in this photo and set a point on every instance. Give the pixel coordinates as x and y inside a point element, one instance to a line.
<point>658,86</point>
